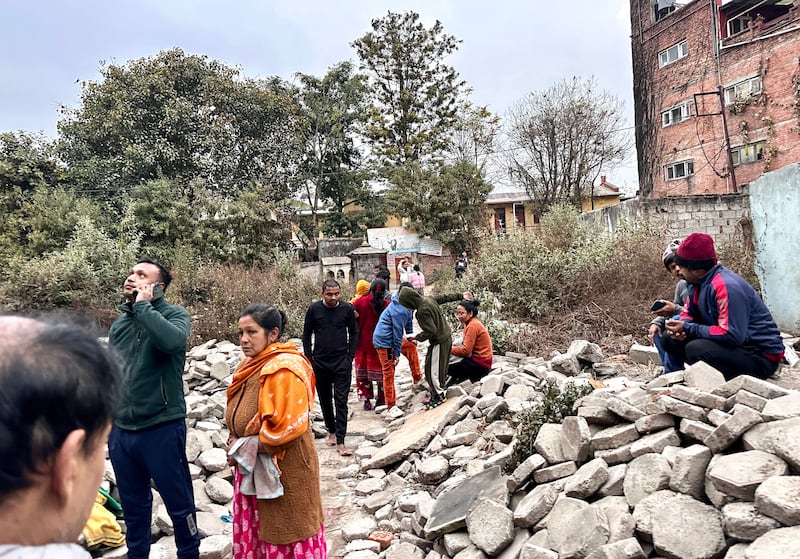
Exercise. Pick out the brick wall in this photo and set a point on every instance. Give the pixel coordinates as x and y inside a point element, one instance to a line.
<point>772,117</point>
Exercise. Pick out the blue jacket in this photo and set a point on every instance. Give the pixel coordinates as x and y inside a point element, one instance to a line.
<point>723,307</point>
<point>394,320</point>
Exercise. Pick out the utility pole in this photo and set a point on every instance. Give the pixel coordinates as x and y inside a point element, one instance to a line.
<point>720,95</point>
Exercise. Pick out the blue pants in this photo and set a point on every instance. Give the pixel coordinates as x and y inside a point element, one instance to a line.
<point>157,453</point>
<point>671,362</point>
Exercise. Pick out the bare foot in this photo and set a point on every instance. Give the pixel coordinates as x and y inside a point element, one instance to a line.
<point>331,440</point>
<point>343,450</point>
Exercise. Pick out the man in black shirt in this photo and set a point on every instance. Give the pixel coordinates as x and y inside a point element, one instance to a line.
<point>333,324</point>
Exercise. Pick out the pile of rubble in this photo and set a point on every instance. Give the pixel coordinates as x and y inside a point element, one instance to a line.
<point>685,465</point>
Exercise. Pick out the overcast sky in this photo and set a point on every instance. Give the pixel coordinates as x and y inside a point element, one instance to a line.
<point>510,47</point>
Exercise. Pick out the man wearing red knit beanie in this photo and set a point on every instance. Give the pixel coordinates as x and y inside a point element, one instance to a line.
<point>724,321</point>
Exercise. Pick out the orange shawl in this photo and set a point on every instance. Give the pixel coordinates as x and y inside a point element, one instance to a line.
<point>286,394</point>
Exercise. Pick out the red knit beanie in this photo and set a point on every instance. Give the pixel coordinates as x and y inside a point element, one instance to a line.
<point>696,252</point>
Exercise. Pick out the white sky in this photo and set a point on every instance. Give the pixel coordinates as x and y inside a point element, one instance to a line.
<point>509,48</point>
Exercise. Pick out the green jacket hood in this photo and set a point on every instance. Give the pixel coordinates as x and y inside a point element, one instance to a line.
<point>409,298</point>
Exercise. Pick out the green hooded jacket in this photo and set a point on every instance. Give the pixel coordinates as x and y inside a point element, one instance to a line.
<point>429,317</point>
<point>151,338</point>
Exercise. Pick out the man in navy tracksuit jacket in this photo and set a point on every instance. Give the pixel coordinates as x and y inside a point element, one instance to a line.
<point>724,321</point>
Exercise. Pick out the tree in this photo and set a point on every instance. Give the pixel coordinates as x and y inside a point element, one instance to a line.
<point>415,94</point>
<point>444,201</point>
<point>332,109</point>
<point>179,117</point>
<point>561,138</point>
<point>473,136</point>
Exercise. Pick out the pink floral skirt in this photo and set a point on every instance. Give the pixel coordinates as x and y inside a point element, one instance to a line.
<point>246,544</point>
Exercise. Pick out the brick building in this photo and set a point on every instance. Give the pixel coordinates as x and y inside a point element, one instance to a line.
<point>716,92</point>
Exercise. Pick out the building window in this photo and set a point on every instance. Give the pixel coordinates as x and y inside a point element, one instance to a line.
<point>676,114</point>
<point>743,90</point>
<point>679,170</point>
<point>738,25</point>
<point>748,154</point>
<point>672,54</point>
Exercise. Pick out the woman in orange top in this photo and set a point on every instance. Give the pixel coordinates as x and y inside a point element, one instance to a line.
<point>476,348</point>
<point>270,399</point>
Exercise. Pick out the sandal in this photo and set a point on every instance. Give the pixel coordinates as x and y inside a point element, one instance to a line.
<point>367,405</point>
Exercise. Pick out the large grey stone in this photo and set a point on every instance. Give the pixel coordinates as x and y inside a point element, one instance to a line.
<point>779,498</point>
<point>646,474</point>
<point>739,474</point>
<point>655,442</point>
<point>744,523</point>
<point>219,490</point>
<point>763,388</point>
<point>414,435</point>
<point>655,422</point>
<point>214,547</point>
<point>213,459</point>
<point>490,525</point>
<point>778,437</point>
<point>575,535</point>
<point>552,473</point>
<point>548,443</point>
<point>404,550</point>
<point>615,437</point>
<point>358,528</point>
<point>450,511</point>
<point>624,409</point>
<point>644,354</point>
<point>576,438</point>
<point>536,504</point>
<point>697,397</point>
<point>782,407</point>
<point>524,471</point>
<point>681,409</point>
<point>623,549</point>
<point>614,484</point>
<point>586,351</point>
<point>703,376</point>
<point>587,480</point>
<point>532,551</point>
<point>783,543</point>
<point>685,528</point>
<point>689,471</point>
<point>695,430</point>
<point>433,470</point>
<point>731,429</point>
<point>644,511</point>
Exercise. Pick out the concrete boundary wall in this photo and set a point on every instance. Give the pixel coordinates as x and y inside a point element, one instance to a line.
<point>725,217</point>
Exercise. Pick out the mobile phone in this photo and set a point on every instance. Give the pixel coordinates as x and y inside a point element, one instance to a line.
<point>157,290</point>
<point>657,305</point>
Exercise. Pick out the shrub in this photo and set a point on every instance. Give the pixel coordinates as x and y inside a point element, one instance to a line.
<point>216,294</point>
<point>555,406</point>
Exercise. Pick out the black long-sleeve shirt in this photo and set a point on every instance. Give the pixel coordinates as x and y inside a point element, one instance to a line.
<point>335,332</point>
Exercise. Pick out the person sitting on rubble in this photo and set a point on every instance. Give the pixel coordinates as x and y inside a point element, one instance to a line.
<point>664,309</point>
<point>724,323</point>
<point>476,348</point>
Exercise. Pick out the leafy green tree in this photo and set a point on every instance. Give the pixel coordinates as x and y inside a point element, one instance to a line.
<point>561,138</point>
<point>331,175</point>
<point>415,94</point>
<point>444,201</point>
<point>179,117</point>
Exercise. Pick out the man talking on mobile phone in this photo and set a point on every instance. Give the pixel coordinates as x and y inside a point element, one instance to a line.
<point>148,441</point>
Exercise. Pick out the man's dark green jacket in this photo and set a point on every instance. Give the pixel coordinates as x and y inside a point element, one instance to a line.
<point>151,338</point>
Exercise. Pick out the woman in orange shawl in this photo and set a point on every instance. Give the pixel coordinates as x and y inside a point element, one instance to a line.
<point>271,398</point>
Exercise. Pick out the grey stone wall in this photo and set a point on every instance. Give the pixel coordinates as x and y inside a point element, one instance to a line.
<point>721,216</point>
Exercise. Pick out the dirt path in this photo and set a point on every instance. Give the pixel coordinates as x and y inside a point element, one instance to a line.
<point>338,500</point>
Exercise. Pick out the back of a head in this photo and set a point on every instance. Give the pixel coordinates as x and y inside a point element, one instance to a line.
<point>669,253</point>
<point>55,378</point>
<point>416,267</point>
<point>409,298</point>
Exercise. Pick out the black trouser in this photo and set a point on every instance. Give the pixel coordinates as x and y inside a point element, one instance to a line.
<point>157,453</point>
<point>333,386</point>
<point>728,360</point>
<point>466,369</point>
